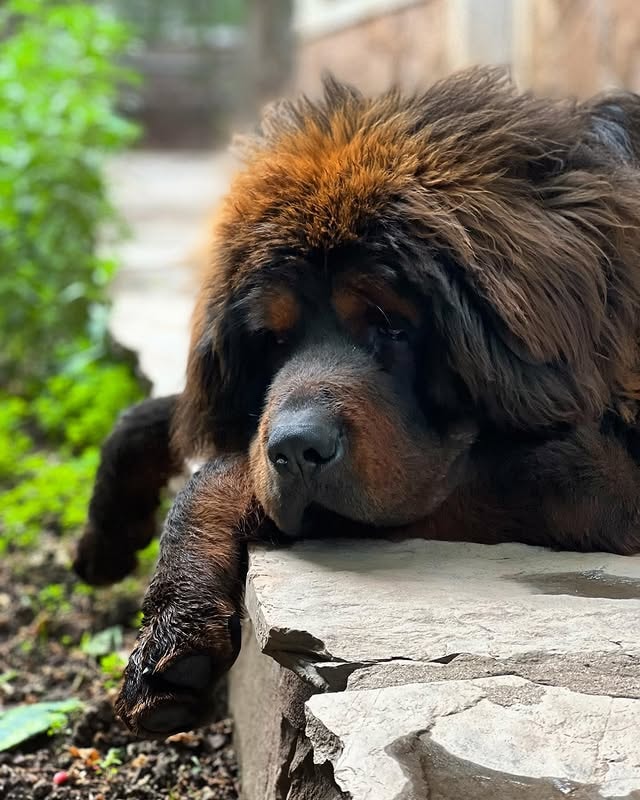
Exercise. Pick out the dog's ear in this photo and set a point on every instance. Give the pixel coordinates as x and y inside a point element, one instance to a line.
<point>219,408</point>
<point>508,381</point>
<point>533,210</point>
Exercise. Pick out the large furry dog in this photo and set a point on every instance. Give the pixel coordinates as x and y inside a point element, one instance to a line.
<point>422,316</point>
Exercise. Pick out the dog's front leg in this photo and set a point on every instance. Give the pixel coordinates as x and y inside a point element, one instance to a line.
<point>190,633</point>
<point>136,462</point>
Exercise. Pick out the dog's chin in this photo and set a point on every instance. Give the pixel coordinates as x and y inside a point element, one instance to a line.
<point>319,522</point>
<point>295,520</point>
<point>288,517</point>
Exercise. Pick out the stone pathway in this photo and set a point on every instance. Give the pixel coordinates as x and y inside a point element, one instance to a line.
<point>166,199</point>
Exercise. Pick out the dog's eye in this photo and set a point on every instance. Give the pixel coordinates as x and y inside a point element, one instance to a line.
<point>391,327</point>
<point>279,338</point>
<point>395,334</point>
<point>276,345</point>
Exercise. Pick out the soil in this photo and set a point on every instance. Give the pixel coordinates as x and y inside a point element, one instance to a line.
<point>93,757</point>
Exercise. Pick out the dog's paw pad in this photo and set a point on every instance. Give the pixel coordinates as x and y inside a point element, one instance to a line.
<point>168,719</point>
<point>191,672</point>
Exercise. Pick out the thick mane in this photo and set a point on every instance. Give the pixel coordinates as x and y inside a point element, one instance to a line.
<point>530,207</point>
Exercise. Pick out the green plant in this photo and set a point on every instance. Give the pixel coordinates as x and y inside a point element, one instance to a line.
<point>22,722</point>
<point>78,407</point>
<point>14,442</point>
<point>72,413</point>
<point>111,761</point>
<point>49,490</point>
<point>112,666</point>
<point>53,598</point>
<point>59,80</point>
<point>70,417</point>
<point>102,643</point>
<point>8,676</point>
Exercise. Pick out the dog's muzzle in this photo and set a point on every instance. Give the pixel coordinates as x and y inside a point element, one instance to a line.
<point>305,449</point>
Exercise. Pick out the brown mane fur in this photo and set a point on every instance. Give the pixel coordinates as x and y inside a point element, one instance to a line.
<point>542,220</point>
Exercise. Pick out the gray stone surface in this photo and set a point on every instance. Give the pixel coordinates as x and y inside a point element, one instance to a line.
<point>486,739</point>
<point>326,609</point>
<point>442,671</point>
<point>276,758</point>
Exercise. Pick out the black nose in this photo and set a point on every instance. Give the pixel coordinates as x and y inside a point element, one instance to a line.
<point>303,441</point>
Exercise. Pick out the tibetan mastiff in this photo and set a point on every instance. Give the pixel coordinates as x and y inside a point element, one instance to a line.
<point>421,318</point>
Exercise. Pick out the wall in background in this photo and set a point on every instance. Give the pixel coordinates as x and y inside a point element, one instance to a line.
<point>554,46</point>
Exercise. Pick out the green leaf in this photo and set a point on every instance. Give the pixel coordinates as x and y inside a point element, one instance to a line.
<point>22,722</point>
<point>103,643</point>
<point>8,676</point>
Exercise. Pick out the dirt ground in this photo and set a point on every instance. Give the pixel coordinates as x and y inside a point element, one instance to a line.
<point>46,621</point>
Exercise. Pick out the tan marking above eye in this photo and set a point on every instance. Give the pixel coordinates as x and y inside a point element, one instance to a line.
<point>349,304</point>
<point>354,300</point>
<point>281,311</point>
<point>392,303</point>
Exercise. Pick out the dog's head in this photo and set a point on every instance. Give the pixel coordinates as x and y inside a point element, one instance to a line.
<point>394,277</point>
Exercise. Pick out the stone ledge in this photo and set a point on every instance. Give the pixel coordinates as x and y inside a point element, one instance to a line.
<point>344,622</point>
<point>484,739</point>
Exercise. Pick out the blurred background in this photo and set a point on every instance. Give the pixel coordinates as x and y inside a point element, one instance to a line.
<point>207,68</point>
<point>208,64</point>
<point>114,123</point>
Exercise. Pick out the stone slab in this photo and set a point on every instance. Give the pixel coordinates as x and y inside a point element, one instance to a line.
<point>267,704</point>
<point>485,739</point>
<point>421,670</point>
<point>327,609</point>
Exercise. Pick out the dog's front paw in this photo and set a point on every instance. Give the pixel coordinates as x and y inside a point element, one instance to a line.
<point>99,560</point>
<point>106,551</point>
<point>169,682</point>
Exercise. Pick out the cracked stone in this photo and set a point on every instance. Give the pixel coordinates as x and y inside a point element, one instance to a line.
<point>427,602</point>
<point>438,670</point>
<point>483,739</point>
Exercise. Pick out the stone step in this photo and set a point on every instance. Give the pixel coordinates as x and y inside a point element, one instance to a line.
<point>497,738</point>
<point>423,669</point>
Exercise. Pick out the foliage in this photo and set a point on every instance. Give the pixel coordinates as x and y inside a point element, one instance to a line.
<point>59,81</point>
<point>102,643</point>
<point>112,666</point>
<point>112,760</point>
<point>52,598</point>
<point>15,443</point>
<point>80,408</point>
<point>58,86</point>
<point>73,413</point>
<point>22,722</point>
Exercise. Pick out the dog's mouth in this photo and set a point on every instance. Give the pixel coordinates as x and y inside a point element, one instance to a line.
<point>290,514</point>
<point>309,508</point>
<point>317,522</point>
<point>341,506</point>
